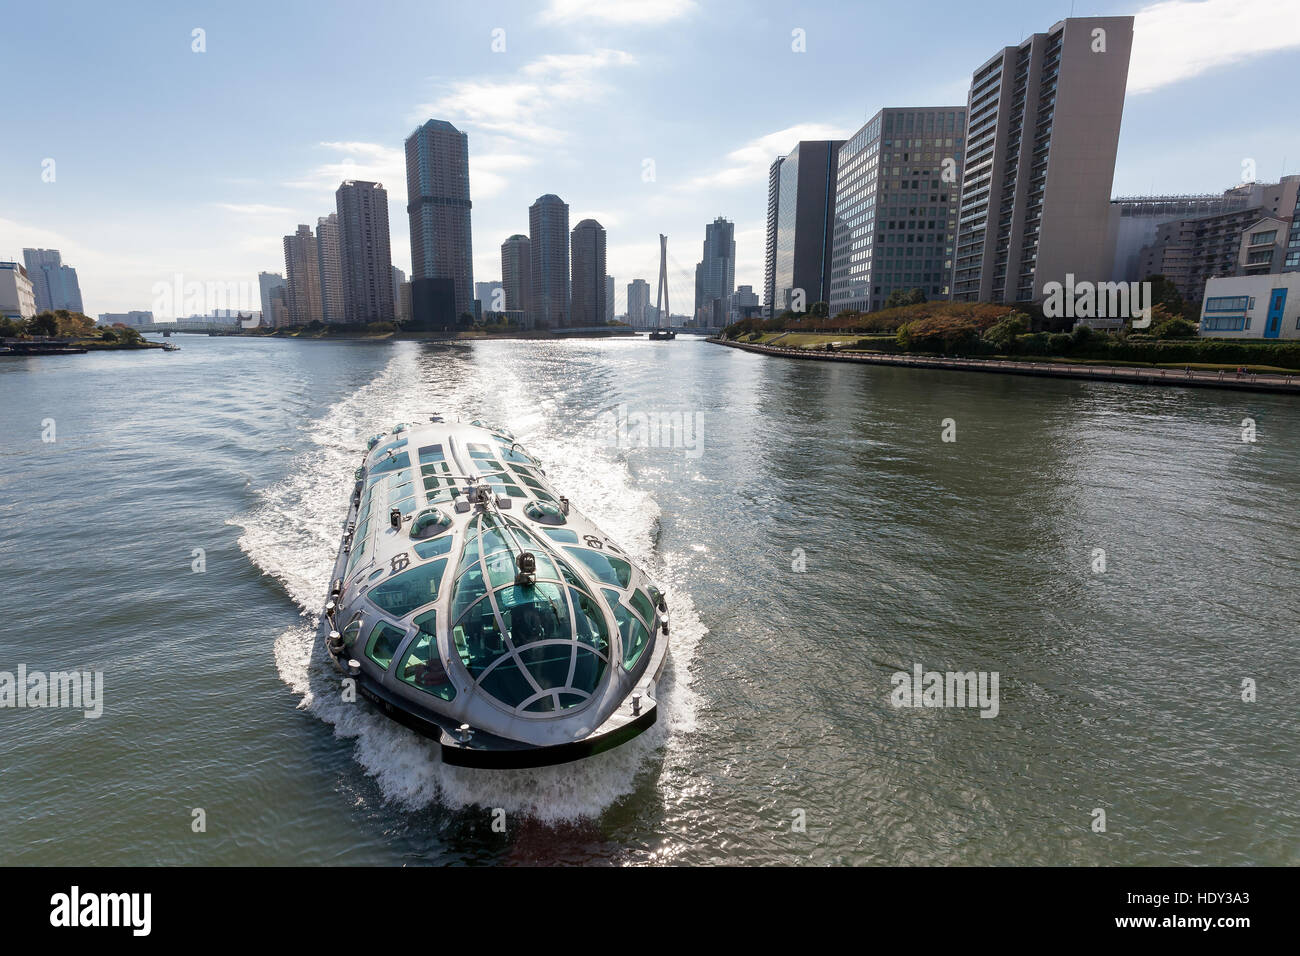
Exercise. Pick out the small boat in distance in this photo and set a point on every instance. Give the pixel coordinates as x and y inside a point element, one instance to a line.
<point>475,605</point>
<point>661,335</point>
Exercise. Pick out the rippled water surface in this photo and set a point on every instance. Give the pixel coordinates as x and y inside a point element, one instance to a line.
<point>1119,690</point>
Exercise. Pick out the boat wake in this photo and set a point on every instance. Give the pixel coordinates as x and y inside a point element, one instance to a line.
<point>293,535</point>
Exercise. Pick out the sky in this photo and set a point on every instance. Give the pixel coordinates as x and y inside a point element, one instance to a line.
<point>149,162</point>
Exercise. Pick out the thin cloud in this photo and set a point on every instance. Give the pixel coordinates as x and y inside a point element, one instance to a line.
<point>749,164</point>
<point>370,162</point>
<point>533,103</point>
<point>253,209</point>
<point>1178,40</point>
<point>621,13</point>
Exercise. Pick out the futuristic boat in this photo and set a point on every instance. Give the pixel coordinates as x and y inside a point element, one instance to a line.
<point>475,605</point>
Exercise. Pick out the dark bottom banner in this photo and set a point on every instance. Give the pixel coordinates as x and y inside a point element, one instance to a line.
<point>1218,906</point>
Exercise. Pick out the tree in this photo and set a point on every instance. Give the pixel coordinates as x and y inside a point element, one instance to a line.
<point>820,310</point>
<point>1002,334</point>
<point>1174,328</point>
<point>44,324</point>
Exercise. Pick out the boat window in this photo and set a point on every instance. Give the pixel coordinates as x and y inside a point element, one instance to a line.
<point>514,454</point>
<point>383,643</point>
<point>632,632</point>
<point>351,633</point>
<point>607,569</point>
<point>393,463</point>
<point>391,446</point>
<point>430,454</point>
<point>545,513</point>
<point>590,620</point>
<point>405,506</point>
<point>479,451</point>
<point>421,667</point>
<point>563,535</point>
<point>526,645</point>
<point>431,549</point>
<point>430,523</point>
<point>641,603</point>
<point>401,595</point>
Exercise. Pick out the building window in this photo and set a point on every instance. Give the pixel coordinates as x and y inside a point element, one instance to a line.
<point>1262,237</point>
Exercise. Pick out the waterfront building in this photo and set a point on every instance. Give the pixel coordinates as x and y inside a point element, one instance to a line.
<point>17,297</point>
<point>741,304</point>
<point>548,230</point>
<point>366,255</point>
<point>1190,251</point>
<point>1258,306</point>
<point>133,319</point>
<point>587,306</point>
<point>403,304</point>
<point>329,266</point>
<point>517,275</point>
<point>896,196</point>
<point>609,298</point>
<point>54,284</point>
<point>715,275</point>
<point>399,280</point>
<point>302,277</point>
<point>1291,261</point>
<point>802,231</point>
<point>438,205</point>
<point>267,284</point>
<point>638,303</point>
<point>1135,219</point>
<point>1025,221</point>
<point>486,293</point>
<point>769,245</point>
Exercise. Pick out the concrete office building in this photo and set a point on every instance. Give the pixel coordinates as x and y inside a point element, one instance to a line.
<point>638,303</point>
<point>1043,123</point>
<point>302,277</point>
<point>715,275</point>
<point>741,304</point>
<point>54,284</point>
<point>438,205</point>
<point>1191,251</point>
<point>1135,219</point>
<point>267,284</point>
<point>17,297</point>
<point>588,288</point>
<point>803,234</point>
<point>548,230</point>
<point>517,275</point>
<point>367,258</point>
<point>896,196</point>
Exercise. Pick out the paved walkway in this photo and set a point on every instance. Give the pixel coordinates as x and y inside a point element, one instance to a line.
<point>1196,378</point>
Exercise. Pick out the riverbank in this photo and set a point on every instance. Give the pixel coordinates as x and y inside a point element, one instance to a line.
<point>1281,382</point>
<point>14,348</point>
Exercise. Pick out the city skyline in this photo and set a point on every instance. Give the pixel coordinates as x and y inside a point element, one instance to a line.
<point>533,113</point>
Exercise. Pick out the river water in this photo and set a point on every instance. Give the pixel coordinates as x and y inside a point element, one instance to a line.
<point>1118,556</point>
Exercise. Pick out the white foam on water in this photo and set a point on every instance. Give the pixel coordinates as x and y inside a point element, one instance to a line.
<point>293,536</point>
